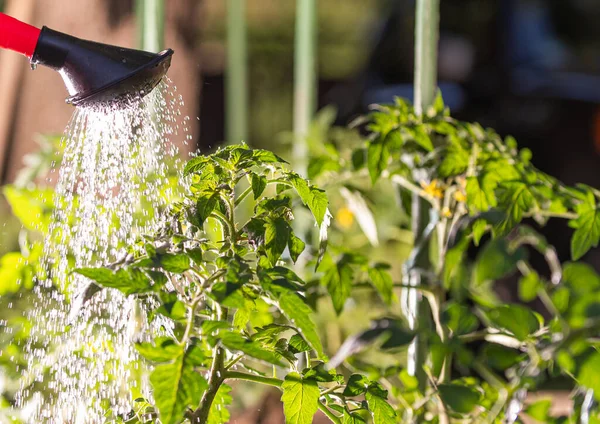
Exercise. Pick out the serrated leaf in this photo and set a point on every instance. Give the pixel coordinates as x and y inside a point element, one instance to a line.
<point>195,164</point>
<point>357,385</point>
<point>377,158</point>
<point>587,233</point>
<point>352,418</point>
<point>163,349</point>
<point>338,279</point>
<point>515,200</point>
<point>205,205</point>
<point>295,246</point>
<point>236,341</point>
<point>299,313</point>
<point>297,344</point>
<point>455,161</point>
<point>259,183</point>
<point>459,398</point>
<point>382,281</point>
<point>177,387</point>
<point>421,137</point>
<point>300,399</point>
<point>219,414</point>
<point>381,410</point>
<point>176,263</point>
<point>277,234</point>
<point>127,280</point>
<point>515,319</point>
<point>266,156</point>
<point>480,196</point>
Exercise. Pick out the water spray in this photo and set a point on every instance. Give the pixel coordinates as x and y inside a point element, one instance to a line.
<point>94,73</point>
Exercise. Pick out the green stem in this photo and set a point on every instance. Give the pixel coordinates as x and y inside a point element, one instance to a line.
<point>237,73</point>
<point>305,76</point>
<point>275,382</point>
<point>426,45</point>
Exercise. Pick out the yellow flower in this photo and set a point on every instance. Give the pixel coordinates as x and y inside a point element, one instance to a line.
<point>433,189</point>
<point>344,218</point>
<point>446,213</point>
<point>460,197</point>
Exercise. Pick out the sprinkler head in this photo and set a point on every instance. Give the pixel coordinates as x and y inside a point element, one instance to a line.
<point>94,73</point>
<point>100,74</point>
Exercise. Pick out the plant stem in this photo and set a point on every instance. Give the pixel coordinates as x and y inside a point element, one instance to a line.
<point>275,382</point>
<point>304,79</point>
<point>426,44</point>
<point>237,73</point>
<point>217,376</point>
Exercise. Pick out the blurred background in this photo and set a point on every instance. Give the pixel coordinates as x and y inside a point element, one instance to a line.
<point>530,68</point>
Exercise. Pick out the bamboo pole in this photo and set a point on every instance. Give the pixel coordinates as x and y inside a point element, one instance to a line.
<point>236,89</point>
<point>425,86</point>
<point>305,79</point>
<point>150,16</point>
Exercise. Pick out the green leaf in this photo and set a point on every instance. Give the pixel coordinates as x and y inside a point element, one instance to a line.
<point>219,414</point>
<point>421,137</point>
<point>529,285</point>
<point>351,418</point>
<point>516,319</point>
<point>321,164</point>
<point>127,280</point>
<point>194,165</point>
<point>459,398</point>
<point>177,387</point>
<point>377,158</point>
<point>338,280</point>
<point>295,246</point>
<point>300,399</point>
<point>382,281</point>
<point>297,344</point>
<point>33,207</point>
<point>480,195</point>
<point>515,200</point>
<point>236,341</point>
<point>259,183</point>
<point>459,319</point>
<point>357,385</point>
<point>277,234</point>
<point>205,205</point>
<point>496,261</point>
<point>456,159</point>
<point>176,263</point>
<point>266,156</point>
<point>300,314</point>
<point>589,374</point>
<point>164,349</point>
<point>12,272</point>
<point>539,410</point>
<point>381,410</point>
<point>587,233</point>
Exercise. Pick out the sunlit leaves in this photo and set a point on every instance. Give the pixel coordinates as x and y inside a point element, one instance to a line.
<point>163,349</point>
<point>219,414</point>
<point>259,183</point>
<point>127,280</point>
<point>299,313</point>
<point>277,234</point>
<point>587,233</point>
<point>237,342</point>
<point>497,260</point>
<point>300,399</point>
<point>381,410</point>
<point>515,319</point>
<point>516,200</point>
<point>177,386</point>
<point>377,158</point>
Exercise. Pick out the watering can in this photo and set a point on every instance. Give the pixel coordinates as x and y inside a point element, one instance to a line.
<point>93,73</point>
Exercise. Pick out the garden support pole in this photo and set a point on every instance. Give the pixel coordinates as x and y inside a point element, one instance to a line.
<point>150,15</point>
<point>305,79</point>
<point>425,82</point>
<point>236,89</point>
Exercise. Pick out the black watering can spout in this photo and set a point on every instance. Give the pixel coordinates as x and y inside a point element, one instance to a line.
<point>94,73</point>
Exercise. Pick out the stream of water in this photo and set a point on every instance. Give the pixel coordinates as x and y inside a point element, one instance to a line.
<point>117,174</point>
